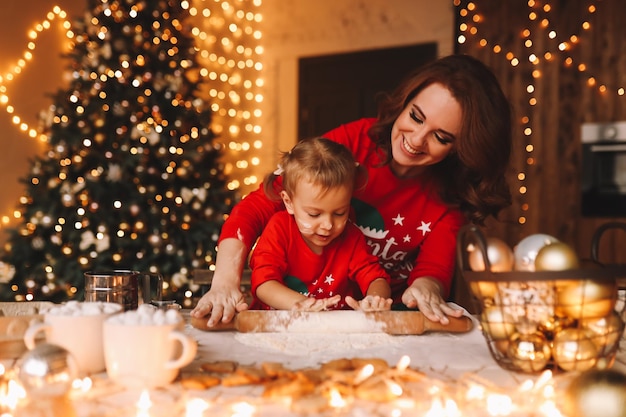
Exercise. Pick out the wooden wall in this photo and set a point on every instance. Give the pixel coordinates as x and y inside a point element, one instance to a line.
<point>564,100</point>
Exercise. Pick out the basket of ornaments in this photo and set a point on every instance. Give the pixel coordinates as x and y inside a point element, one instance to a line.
<point>538,308</point>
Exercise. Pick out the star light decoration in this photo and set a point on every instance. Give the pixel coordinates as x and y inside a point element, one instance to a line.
<point>558,46</point>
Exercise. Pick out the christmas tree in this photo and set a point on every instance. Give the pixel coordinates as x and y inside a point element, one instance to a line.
<point>133,177</point>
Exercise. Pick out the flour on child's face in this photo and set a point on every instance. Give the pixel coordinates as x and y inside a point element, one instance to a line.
<point>321,214</point>
<point>304,227</point>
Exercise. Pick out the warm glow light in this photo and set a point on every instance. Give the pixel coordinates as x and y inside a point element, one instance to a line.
<point>394,387</point>
<point>336,400</point>
<point>230,50</point>
<point>82,385</point>
<point>468,395</point>
<point>196,407</point>
<point>440,408</point>
<point>364,373</point>
<point>11,394</point>
<point>544,24</point>
<point>144,404</point>
<point>499,405</point>
<point>403,363</point>
<point>243,409</point>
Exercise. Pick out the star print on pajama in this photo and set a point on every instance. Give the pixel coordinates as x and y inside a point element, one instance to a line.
<point>345,266</point>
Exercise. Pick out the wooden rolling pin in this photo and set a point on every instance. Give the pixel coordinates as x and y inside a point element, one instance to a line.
<point>335,321</point>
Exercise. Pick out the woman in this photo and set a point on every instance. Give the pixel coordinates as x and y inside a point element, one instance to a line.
<point>436,157</point>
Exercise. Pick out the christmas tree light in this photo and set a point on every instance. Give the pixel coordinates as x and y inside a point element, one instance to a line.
<point>133,177</point>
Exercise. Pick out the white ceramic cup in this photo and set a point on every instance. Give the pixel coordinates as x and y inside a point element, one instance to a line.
<point>146,355</point>
<point>76,327</point>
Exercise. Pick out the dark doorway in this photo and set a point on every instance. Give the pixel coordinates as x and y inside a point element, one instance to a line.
<point>335,89</point>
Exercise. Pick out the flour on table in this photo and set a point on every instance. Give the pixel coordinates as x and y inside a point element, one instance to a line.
<point>319,334</point>
<point>300,344</point>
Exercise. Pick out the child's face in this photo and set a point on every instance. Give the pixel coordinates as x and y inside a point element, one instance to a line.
<point>320,216</point>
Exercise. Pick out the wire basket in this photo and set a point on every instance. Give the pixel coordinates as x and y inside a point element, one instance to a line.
<point>569,320</point>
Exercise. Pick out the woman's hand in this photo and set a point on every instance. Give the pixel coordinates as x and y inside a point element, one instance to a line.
<point>222,302</point>
<point>224,299</point>
<point>370,303</point>
<point>425,295</point>
<point>315,304</point>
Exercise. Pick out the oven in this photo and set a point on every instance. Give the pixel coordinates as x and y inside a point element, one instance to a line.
<point>603,186</point>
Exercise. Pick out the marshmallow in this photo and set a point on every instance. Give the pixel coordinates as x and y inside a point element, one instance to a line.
<point>76,308</point>
<point>147,315</point>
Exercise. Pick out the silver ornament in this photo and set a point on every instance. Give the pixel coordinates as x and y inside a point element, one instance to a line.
<point>526,250</point>
<point>47,371</point>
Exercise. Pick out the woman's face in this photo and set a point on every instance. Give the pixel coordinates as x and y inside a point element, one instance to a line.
<point>425,132</point>
<point>321,215</point>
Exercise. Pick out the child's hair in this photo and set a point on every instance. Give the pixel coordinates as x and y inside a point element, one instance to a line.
<point>326,163</point>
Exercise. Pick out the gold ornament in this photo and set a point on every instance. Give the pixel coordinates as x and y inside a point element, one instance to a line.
<point>524,325</point>
<point>484,289</point>
<point>497,324</point>
<point>529,352</point>
<point>499,254</point>
<point>502,346</point>
<point>554,324</point>
<point>606,331</point>
<point>586,298</point>
<point>574,350</point>
<point>557,256</point>
<point>597,393</point>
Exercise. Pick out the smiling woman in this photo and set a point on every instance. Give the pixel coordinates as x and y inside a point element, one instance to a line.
<point>35,48</point>
<point>424,132</point>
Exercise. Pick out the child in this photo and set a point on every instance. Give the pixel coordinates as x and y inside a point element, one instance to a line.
<point>310,256</point>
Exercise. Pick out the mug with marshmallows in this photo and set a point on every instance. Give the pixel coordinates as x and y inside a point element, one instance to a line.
<point>145,348</point>
<point>77,327</point>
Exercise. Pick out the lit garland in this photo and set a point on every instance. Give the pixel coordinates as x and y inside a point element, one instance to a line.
<point>230,57</point>
<point>472,19</point>
<point>232,47</point>
<point>33,34</point>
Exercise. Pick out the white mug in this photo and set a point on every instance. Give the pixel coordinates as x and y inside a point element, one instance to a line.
<point>142,353</point>
<point>76,327</point>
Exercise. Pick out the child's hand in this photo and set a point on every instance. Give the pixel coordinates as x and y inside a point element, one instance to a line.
<point>314,304</point>
<point>370,303</point>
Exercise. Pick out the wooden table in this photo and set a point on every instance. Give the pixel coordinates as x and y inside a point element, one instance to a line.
<point>448,360</point>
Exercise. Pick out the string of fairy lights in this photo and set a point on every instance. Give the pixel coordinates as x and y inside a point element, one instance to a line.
<point>539,24</point>
<point>229,49</point>
<point>58,14</point>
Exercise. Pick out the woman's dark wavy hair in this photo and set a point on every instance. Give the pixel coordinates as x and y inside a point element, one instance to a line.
<point>472,176</point>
